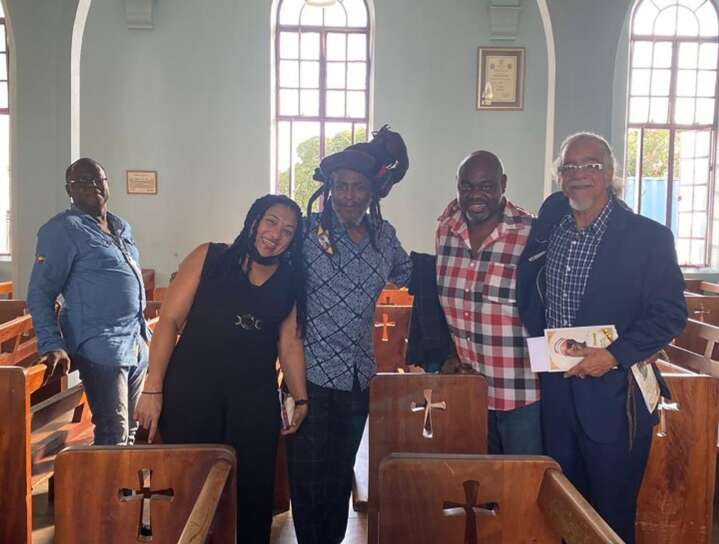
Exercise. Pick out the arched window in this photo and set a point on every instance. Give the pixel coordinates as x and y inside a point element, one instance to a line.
<point>672,136</point>
<point>322,82</point>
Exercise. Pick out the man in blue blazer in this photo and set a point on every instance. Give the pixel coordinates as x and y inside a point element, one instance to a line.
<point>592,261</point>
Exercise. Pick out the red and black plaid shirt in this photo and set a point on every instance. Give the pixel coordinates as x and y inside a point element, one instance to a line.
<point>478,298</point>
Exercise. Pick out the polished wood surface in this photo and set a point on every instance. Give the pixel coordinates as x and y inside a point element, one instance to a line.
<point>17,340</point>
<point>677,495</point>
<point>696,348</point>
<point>482,499</point>
<point>390,331</point>
<point>10,309</point>
<point>459,427</point>
<point>89,480</point>
<point>6,289</point>
<point>400,297</point>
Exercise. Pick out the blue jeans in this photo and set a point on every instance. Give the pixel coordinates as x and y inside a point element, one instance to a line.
<point>515,432</point>
<point>112,393</point>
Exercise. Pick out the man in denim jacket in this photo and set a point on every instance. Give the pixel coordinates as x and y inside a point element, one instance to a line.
<point>88,256</point>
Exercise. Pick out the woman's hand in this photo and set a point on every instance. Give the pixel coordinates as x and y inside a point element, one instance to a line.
<point>297,418</point>
<point>147,413</point>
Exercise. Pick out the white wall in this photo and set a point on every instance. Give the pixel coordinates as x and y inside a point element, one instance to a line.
<point>191,99</point>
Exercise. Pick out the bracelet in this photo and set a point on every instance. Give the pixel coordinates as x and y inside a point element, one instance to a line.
<point>151,393</point>
<point>301,402</point>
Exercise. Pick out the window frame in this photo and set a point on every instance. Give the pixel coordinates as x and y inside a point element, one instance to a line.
<point>671,126</point>
<point>322,119</point>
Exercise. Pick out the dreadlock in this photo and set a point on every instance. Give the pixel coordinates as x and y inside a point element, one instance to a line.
<point>241,248</point>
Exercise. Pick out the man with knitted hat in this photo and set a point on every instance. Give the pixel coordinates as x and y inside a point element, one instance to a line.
<point>350,254</point>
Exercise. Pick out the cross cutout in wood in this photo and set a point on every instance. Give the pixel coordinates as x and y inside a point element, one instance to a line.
<point>470,509</point>
<point>384,324</point>
<point>427,406</point>
<point>146,494</point>
<point>701,312</point>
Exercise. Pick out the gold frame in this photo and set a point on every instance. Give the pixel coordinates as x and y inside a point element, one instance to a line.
<point>508,78</point>
<point>141,182</point>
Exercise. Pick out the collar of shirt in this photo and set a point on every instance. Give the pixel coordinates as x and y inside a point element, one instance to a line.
<point>453,219</point>
<point>596,227</point>
<point>118,226</point>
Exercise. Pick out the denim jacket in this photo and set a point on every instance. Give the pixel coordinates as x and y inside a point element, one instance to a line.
<point>99,278</point>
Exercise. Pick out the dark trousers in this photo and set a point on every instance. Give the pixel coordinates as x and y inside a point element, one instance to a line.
<point>515,432</point>
<point>321,458</point>
<point>197,413</point>
<point>608,475</point>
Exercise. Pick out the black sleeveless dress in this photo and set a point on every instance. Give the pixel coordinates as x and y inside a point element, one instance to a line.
<point>221,386</point>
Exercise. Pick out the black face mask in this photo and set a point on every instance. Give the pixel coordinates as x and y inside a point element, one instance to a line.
<point>259,259</point>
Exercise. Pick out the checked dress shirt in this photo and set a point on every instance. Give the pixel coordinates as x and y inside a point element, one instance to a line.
<point>477,293</point>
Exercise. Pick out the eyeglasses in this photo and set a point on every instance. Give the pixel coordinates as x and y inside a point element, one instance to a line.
<point>576,168</point>
<point>88,180</point>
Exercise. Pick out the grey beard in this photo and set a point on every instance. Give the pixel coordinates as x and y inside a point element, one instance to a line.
<point>579,206</point>
<point>355,223</point>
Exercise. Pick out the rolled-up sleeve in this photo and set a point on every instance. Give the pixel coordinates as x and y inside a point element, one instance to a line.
<point>54,258</point>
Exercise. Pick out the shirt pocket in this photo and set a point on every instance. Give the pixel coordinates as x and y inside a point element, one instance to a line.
<point>499,283</point>
<point>102,253</point>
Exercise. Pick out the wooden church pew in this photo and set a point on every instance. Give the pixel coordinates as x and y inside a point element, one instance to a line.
<point>430,498</point>
<point>183,494</point>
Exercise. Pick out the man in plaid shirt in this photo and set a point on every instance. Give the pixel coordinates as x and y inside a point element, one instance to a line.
<point>479,240</point>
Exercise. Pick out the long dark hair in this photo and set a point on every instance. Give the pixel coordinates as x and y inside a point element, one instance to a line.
<point>241,248</point>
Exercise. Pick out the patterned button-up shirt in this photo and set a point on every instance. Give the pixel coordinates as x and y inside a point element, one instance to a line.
<point>342,290</point>
<point>570,256</point>
<point>477,293</point>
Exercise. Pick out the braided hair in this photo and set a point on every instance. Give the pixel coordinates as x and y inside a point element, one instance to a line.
<point>244,244</point>
<point>383,161</point>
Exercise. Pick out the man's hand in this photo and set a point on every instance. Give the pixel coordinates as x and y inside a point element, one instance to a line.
<point>53,359</point>
<point>596,363</point>
<point>298,417</point>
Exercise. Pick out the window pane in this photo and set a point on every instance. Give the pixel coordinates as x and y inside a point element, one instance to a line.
<point>662,55</point>
<point>360,132</point>
<point>310,74</point>
<point>289,45</point>
<point>658,110</point>
<point>3,95</point>
<point>4,184</point>
<point>708,56</point>
<point>707,19</point>
<point>355,104</point>
<point>697,252</point>
<point>684,111</point>
<point>705,111</point>
<point>289,73</point>
<point>288,102</point>
<point>655,170</point>
<point>337,137</point>
<point>310,46</point>
<point>356,13</point>
<point>3,39</point>
<point>642,55</point>
<point>290,11</point>
<point>335,75</point>
<point>701,171</point>
<point>687,24</point>
<point>309,102</point>
<point>700,198</point>
<point>660,82</point>
<point>638,110</point>
<point>357,47</point>
<point>357,75</point>
<point>644,18</point>
<point>336,46</point>
<point>706,84</point>
<point>335,104</point>
<point>3,66</point>
<point>335,15</point>
<point>686,82</point>
<point>684,229</point>
<point>306,157</point>
<point>666,22</point>
<point>640,82</point>
<point>702,144</point>
<point>311,16</point>
<point>284,157</point>
<point>631,168</point>
<point>688,52</point>
<point>682,251</point>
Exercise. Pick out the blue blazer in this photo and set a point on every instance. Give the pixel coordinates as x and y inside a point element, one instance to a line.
<point>635,284</point>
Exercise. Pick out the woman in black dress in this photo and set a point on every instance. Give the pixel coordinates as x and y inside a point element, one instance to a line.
<point>237,308</point>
